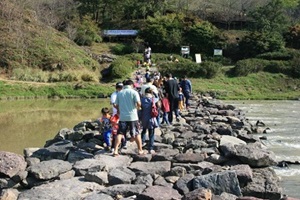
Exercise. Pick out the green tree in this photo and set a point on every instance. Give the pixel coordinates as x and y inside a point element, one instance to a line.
<point>163,31</point>
<point>260,42</point>
<point>271,17</point>
<point>203,37</point>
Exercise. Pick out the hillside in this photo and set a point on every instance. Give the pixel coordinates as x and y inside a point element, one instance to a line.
<point>32,51</point>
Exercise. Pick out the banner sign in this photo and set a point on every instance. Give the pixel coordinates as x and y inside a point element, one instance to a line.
<point>120,32</point>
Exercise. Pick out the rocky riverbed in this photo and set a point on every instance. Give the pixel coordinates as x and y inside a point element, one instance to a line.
<point>210,153</point>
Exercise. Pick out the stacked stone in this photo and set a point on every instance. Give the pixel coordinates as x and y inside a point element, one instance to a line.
<point>211,153</point>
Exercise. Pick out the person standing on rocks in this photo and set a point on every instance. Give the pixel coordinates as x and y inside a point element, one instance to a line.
<point>127,103</point>
<point>186,86</point>
<point>119,87</point>
<point>148,122</point>
<point>171,89</point>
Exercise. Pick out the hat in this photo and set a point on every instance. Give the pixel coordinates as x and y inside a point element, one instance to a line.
<point>119,85</point>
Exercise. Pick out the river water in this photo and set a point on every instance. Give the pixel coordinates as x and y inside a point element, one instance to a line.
<point>29,123</point>
<point>283,118</point>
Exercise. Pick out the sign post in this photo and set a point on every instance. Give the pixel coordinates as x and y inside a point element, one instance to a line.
<point>198,58</point>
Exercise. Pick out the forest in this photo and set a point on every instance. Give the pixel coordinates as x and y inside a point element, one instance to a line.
<point>255,35</point>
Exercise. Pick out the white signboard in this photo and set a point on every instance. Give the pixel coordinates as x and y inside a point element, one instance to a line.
<point>198,58</point>
<point>218,52</point>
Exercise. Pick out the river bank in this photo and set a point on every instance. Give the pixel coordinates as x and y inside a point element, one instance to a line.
<point>259,86</point>
<point>192,149</point>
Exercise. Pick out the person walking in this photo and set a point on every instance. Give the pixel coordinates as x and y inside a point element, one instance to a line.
<point>148,122</point>
<point>186,86</point>
<point>171,90</point>
<point>127,103</point>
<point>119,87</point>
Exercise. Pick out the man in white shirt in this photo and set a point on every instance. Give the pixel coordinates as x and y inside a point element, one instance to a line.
<point>119,87</point>
<point>127,103</point>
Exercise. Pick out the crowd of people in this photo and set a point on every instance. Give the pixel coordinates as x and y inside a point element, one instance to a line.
<point>132,106</point>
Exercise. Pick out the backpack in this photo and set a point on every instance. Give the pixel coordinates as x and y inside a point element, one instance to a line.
<point>154,111</point>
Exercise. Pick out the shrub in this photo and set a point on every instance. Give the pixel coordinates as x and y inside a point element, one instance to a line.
<point>191,69</point>
<point>256,43</point>
<point>295,67</point>
<point>87,77</point>
<point>122,49</point>
<point>121,67</point>
<point>275,66</point>
<point>220,59</point>
<point>87,32</point>
<point>293,37</point>
<point>67,76</point>
<point>278,55</point>
<point>209,69</point>
<point>247,66</point>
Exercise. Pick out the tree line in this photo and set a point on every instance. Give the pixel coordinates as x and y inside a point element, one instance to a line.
<point>270,25</point>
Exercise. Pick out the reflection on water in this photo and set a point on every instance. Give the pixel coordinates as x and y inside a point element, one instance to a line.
<point>284,140</point>
<point>30,123</point>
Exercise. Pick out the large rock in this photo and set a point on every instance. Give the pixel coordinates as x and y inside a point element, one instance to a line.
<point>244,173</point>
<point>9,194</point>
<point>230,139</point>
<point>264,184</point>
<point>145,180</point>
<point>58,150</point>
<point>255,156</point>
<point>49,194</point>
<point>160,193</point>
<point>11,164</point>
<point>219,182</point>
<point>78,154</point>
<point>110,162</point>
<point>121,175</point>
<point>189,158</point>
<point>165,155</point>
<point>88,165</point>
<point>74,188</point>
<point>185,184</point>
<point>98,177</point>
<point>198,194</point>
<point>125,190</point>
<point>49,169</point>
<point>100,196</point>
<point>160,167</point>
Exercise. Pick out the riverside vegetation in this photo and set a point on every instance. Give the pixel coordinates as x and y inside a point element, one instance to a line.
<point>49,52</point>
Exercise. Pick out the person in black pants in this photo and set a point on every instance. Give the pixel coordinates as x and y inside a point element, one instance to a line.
<point>171,89</point>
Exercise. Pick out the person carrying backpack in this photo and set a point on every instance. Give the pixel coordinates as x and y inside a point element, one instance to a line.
<point>186,86</point>
<point>149,122</point>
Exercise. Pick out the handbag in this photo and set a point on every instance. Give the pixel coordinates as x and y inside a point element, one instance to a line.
<point>154,111</point>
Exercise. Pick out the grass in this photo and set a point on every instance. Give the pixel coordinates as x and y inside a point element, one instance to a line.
<point>260,86</point>
<point>60,90</point>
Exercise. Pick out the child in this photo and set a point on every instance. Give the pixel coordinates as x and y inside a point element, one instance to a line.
<point>106,127</point>
<point>180,100</point>
<point>114,120</point>
<point>165,106</point>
